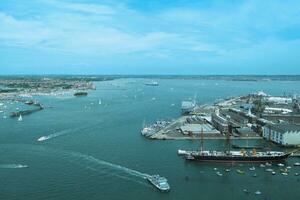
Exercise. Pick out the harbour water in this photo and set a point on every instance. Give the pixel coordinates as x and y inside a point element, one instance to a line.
<point>80,149</point>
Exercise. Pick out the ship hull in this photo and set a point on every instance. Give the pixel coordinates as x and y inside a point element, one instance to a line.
<point>205,158</point>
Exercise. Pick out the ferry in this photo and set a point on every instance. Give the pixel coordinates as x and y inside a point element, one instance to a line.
<point>159,182</point>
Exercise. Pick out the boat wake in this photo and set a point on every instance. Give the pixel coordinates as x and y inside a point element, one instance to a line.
<point>110,165</point>
<point>54,135</point>
<point>87,162</point>
<point>61,133</point>
<point>12,166</point>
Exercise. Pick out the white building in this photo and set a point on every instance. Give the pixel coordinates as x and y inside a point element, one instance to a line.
<point>279,100</point>
<point>283,134</point>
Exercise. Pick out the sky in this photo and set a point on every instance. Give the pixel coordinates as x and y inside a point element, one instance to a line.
<point>149,37</point>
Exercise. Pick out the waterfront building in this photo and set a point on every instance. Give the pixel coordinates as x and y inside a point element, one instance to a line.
<point>279,100</point>
<point>219,122</point>
<point>282,133</point>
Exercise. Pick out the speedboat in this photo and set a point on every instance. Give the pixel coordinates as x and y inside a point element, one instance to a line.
<point>43,138</point>
<point>297,164</point>
<point>159,182</point>
<point>257,192</point>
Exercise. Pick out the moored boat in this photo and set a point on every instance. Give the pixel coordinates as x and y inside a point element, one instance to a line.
<point>236,156</point>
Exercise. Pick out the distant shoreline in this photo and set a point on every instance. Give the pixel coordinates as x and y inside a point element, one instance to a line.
<point>250,78</point>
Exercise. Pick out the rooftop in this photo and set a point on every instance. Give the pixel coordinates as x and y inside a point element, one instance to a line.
<point>284,127</point>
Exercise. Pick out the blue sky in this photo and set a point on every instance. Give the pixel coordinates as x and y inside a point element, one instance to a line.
<point>149,37</point>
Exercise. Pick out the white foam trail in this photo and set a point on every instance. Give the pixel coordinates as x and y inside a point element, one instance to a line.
<point>111,165</point>
<point>12,166</point>
<point>54,135</point>
<point>64,132</point>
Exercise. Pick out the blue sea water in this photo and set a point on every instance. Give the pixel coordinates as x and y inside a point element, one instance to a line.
<point>94,151</point>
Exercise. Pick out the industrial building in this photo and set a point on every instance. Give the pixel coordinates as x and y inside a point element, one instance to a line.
<point>282,133</point>
<point>197,129</point>
<point>219,122</point>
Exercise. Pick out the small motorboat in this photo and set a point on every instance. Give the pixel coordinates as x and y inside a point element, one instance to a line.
<point>219,174</point>
<point>227,170</point>
<point>296,164</point>
<point>273,173</point>
<point>280,165</point>
<point>246,191</point>
<point>252,168</point>
<point>240,171</point>
<point>257,192</point>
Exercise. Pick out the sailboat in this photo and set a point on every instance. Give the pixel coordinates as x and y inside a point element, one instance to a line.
<point>20,118</point>
<point>100,102</point>
<point>232,156</point>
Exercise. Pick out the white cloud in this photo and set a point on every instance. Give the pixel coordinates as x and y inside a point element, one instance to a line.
<point>104,30</point>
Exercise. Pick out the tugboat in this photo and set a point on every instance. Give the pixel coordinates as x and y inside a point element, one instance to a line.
<point>159,182</point>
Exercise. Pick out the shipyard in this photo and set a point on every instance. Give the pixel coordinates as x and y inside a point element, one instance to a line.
<point>253,116</point>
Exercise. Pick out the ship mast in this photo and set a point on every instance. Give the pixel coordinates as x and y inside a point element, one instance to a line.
<point>201,144</point>
<point>227,141</point>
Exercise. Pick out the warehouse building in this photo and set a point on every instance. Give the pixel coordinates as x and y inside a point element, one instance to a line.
<point>283,134</point>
